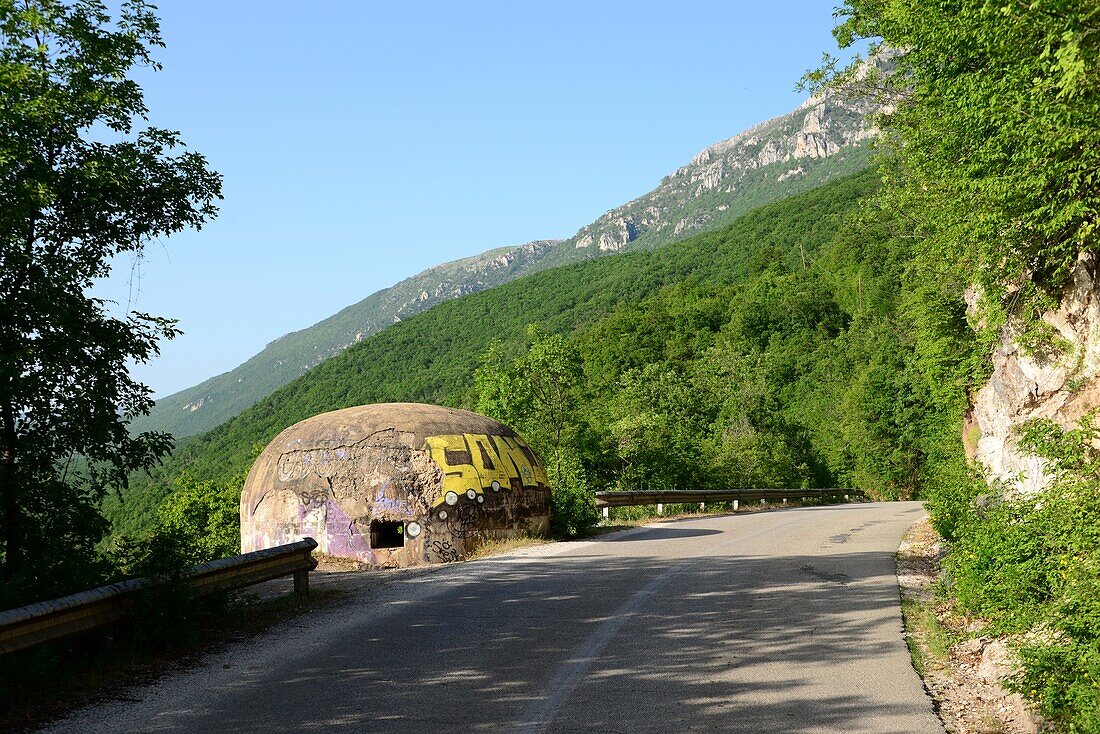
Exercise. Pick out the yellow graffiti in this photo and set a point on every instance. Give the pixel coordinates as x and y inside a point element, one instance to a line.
<point>478,462</point>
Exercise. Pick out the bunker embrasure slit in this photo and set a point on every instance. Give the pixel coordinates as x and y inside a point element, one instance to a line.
<point>387,534</point>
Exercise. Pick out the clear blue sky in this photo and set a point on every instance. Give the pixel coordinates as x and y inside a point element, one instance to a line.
<point>362,142</point>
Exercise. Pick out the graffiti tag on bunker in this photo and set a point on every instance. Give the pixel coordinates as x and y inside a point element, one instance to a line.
<point>394,493</point>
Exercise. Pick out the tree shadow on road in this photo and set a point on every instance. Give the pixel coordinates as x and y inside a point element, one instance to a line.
<point>660,532</point>
<point>776,644</point>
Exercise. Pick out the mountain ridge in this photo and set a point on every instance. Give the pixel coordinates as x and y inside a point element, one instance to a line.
<point>820,129</point>
<point>822,140</point>
<point>286,357</point>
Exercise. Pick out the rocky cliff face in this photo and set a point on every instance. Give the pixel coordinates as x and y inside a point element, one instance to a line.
<point>781,155</point>
<point>1062,388</point>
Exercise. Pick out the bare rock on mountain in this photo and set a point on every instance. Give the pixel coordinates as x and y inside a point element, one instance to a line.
<point>768,154</point>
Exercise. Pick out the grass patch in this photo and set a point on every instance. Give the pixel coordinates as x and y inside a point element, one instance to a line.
<point>928,642</point>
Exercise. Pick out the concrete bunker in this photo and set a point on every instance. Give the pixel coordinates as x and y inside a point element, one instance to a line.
<point>394,484</point>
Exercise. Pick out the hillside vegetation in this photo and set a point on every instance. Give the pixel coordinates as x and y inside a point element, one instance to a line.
<point>769,353</point>
<point>216,400</point>
<point>821,141</point>
<point>991,159</point>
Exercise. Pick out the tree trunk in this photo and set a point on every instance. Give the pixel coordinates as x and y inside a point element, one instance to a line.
<point>8,488</point>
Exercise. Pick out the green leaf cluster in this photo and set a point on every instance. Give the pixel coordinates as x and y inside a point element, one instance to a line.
<point>80,185</point>
<point>991,150</point>
<point>991,156</point>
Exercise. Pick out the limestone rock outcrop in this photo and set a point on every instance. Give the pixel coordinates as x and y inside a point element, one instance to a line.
<point>1063,387</point>
<point>778,152</point>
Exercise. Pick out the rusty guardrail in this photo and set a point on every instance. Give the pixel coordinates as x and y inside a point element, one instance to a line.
<point>52,620</point>
<point>702,496</point>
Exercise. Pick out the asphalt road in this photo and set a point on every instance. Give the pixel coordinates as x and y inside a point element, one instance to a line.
<point>784,621</point>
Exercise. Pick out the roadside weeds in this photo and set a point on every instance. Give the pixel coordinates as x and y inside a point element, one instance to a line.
<point>961,669</point>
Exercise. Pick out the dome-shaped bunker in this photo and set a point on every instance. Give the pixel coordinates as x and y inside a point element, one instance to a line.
<point>394,484</point>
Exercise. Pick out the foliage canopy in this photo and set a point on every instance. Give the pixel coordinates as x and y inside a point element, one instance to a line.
<point>991,154</point>
<point>992,158</point>
<point>81,186</point>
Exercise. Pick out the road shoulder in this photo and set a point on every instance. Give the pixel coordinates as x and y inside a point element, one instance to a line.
<point>961,669</point>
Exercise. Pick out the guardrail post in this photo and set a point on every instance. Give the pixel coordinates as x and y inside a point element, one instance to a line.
<point>660,509</point>
<point>31,625</point>
<point>301,583</point>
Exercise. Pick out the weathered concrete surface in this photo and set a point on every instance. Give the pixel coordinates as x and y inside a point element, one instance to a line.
<point>784,621</point>
<point>439,481</point>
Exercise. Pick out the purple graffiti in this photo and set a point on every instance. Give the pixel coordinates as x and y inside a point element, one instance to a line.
<point>382,502</point>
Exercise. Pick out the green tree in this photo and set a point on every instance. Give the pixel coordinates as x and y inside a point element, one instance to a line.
<point>536,393</point>
<point>749,443</point>
<point>81,185</point>
<point>203,517</point>
<point>657,424</point>
<point>993,142</point>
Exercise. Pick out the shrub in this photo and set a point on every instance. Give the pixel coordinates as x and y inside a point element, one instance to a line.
<point>1031,565</point>
<point>572,502</point>
<point>203,517</point>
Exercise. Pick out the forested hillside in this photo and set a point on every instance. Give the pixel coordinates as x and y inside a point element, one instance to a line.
<point>769,353</point>
<point>223,396</point>
<point>821,141</point>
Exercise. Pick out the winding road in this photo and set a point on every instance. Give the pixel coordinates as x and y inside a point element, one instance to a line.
<point>781,621</point>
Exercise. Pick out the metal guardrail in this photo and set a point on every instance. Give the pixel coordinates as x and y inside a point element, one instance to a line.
<point>702,496</point>
<point>52,620</point>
